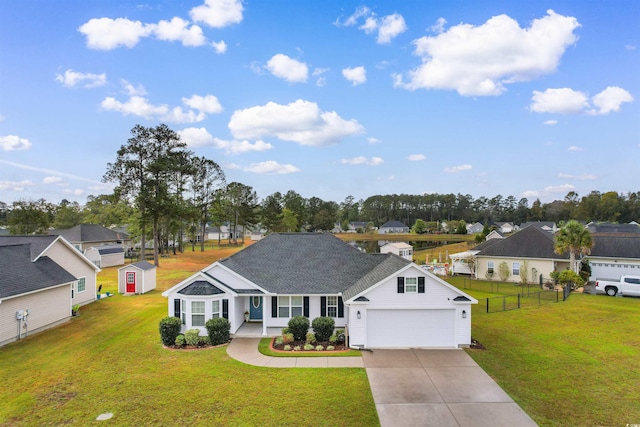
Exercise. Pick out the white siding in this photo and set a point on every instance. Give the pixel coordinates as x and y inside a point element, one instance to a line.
<point>46,309</point>
<point>314,311</point>
<point>73,262</point>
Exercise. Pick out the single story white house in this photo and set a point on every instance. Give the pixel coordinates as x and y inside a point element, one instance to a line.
<point>106,255</point>
<point>382,300</point>
<point>137,278</point>
<point>41,278</point>
<point>393,227</point>
<point>402,249</point>
<point>614,255</point>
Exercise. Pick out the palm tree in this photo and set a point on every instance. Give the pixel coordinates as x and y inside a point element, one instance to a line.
<point>574,238</point>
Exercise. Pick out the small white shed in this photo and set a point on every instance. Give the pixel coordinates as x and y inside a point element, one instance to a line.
<point>401,249</point>
<point>137,278</point>
<point>105,255</point>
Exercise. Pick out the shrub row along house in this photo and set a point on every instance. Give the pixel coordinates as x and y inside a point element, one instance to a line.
<point>382,300</point>
<point>529,255</point>
<point>42,278</point>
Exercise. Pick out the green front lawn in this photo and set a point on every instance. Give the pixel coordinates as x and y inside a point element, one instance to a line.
<point>570,363</point>
<point>110,359</point>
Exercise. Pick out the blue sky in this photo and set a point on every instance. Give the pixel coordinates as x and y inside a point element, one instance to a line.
<point>331,98</point>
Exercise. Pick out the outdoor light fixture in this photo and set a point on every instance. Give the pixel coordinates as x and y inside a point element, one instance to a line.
<point>358,314</point>
<point>464,314</point>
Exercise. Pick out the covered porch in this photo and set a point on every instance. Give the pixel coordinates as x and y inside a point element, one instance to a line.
<point>255,330</point>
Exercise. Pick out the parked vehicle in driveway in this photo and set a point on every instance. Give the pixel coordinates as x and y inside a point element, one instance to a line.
<point>627,285</point>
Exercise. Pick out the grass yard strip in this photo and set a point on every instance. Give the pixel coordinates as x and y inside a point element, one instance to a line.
<point>265,348</point>
<point>572,363</point>
<point>110,359</point>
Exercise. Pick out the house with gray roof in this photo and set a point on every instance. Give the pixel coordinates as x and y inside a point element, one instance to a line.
<point>393,227</point>
<point>42,278</point>
<point>614,255</point>
<point>84,236</point>
<point>382,300</point>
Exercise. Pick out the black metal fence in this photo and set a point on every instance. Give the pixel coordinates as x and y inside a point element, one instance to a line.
<point>515,295</point>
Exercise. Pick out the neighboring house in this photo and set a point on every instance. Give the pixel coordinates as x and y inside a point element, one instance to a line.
<point>84,236</point>
<point>505,227</point>
<point>105,255</point>
<point>494,234</point>
<point>137,278</point>
<point>608,227</point>
<point>530,248</point>
<point>393,227</point>
<point>475,228</point>
<point>465,262</point>
<point>42,277</point>
<point>382,300</point>
<point>402,249</point>
<point>549,226</point>
<point>614,254</point>
<point>357,226</point>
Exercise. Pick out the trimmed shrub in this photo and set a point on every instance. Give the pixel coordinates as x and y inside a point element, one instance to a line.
<point>287,347</point>
<point>218,330</point>
<point>299,326</point>
<point>180,341</point>
<point>287,338</point>
<point>204,341</point>
<point>285,331</point>
<point>296,348</point>
<point>319,348</point>
<point>329,348</point>
<point>192,337</point>
<point>308,347</point>
<point>169,330</point>
<point>278,340</point>
<point>333,338</point>
<point>323,327</point>
<point>311,338</point>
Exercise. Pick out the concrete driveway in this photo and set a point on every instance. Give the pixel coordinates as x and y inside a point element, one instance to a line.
<point>437,388</point>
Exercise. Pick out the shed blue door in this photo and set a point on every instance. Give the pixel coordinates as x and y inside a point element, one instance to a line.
<point>255,310</point>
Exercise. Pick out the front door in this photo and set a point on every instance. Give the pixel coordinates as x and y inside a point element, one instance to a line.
<point>255,311</point>
<point>131,282</point>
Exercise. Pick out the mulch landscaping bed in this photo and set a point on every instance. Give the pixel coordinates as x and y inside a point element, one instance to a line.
<point>339,347</point>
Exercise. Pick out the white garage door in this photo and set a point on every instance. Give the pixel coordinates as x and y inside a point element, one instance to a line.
<point>410,328</point>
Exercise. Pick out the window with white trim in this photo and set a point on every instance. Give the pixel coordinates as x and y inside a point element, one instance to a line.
<point>411,285</point>
<point>516,268</point>
<point>215,309</point>
<point>131,278</point>
<point>197,313</point>
<point>332,306</point>
<point>183,309</point>
<point>82,286</point>
<point>290,306</point>
<point>490,267</point>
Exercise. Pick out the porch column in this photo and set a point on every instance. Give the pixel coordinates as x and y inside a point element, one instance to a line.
<point>264,310</point>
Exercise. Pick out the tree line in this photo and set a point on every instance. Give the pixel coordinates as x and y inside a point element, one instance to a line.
<point>165,193</point>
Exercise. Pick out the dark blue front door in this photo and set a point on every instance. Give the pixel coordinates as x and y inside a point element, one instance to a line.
<point>255,311</point>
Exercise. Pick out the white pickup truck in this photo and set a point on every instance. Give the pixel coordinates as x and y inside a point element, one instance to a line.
<point>627,285</point>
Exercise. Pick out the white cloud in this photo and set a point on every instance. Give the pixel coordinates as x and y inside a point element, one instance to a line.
<point>200,137</point>
<point>218,13</point>
<point>480,60</point>
<point>72,78</point>
<point>582,177</point>
<point>531,193</point>
<point>459,168</point>
<point>206,104</point>
<point>15,185</point>
<point>562,101</point>
<point>550,122</point>
<point>14,143</point>
<point>559,189</point>
<point>271,167</point>
<point>107,33</point>
<point>232,166</point>
<point>135,105</point>
<point>49,171</point>
<point>438,27</point>
<point>300,121</point>
<point>361,160</point>
<point>52,180</point>
<point>416,157</point>
<point>76,192</point>
<point>178,30</point>
<point>569,101</point>
<point>132,90</point>
<point>372,140</point>
<point>388,27</point>
<point>574,148</point>
<point>630,47</point>
<point>356,75</point>
<point>219,47</point>
<point>321,81</point>
<point>610,100</point>
<point>289,69</point>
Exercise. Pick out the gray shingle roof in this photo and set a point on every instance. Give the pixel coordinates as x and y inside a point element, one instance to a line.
<point>21,275</point>
<point>144,265</point>
<point>309,263</point>
<point>616,245</point>
<point>530,242</point>
<point>200,287</point>
<point>89,233</point>
<point>109,249</point>
<point>607,227</point>
<point>38,243</point>
<point>394,224</point>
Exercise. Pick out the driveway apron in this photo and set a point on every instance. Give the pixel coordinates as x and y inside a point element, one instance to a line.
<point>419,387</point>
